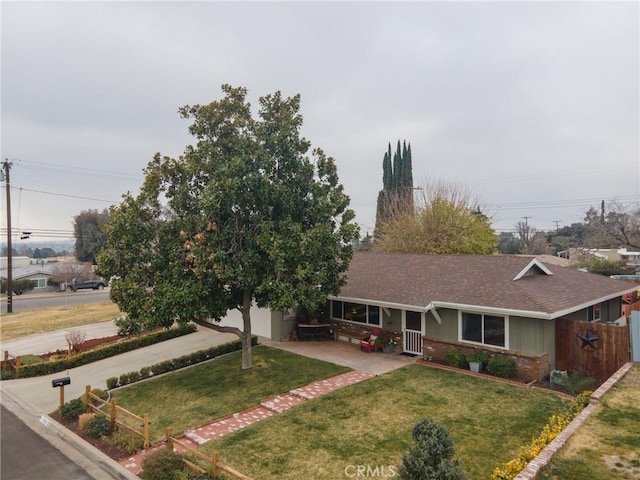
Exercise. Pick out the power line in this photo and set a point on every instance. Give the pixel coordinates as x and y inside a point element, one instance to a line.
<point>68,169</point>
<point>66,195</point>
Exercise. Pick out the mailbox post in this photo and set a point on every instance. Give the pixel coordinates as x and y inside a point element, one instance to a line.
<point>60,383</point>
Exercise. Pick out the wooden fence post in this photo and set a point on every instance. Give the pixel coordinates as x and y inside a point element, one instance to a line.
<point>168,433</point>
<point>85,398</point>
<point>17,362</point>
<point>145,429</point>
<point>215,458</point>
<point>113,414</point>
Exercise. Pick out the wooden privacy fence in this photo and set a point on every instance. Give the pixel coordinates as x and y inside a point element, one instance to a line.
<point>628,308</point>
<point>594,349</point>
<point>215,465</point>
<point>118,415</point>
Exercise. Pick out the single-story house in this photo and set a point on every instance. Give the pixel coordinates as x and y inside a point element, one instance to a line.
<point>504,304</point>
<point>39,275</point>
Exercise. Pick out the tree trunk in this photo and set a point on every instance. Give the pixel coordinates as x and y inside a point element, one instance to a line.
<point>247,355</point>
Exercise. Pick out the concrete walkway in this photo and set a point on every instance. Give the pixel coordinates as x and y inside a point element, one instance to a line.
<point>33,398</point>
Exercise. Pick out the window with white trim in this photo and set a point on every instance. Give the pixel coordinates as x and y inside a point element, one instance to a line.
<point>594,313</point>
<point>355,312</point>
<point>484,329</point>
<point>39,282</point>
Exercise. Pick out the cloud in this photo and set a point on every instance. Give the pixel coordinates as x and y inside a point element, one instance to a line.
<point>525,102</point>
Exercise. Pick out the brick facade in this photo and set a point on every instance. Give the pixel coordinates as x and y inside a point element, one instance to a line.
<point>528,367</point>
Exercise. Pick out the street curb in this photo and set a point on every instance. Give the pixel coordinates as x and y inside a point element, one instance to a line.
<point>86,456</point>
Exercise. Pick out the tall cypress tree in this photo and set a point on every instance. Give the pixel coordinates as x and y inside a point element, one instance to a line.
<point>397,183</point>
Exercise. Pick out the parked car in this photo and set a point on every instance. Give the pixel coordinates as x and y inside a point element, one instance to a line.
<point>97,284</point>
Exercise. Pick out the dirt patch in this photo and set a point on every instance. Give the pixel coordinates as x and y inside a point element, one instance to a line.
<point>112,451</point>
<point>85,347</point>
<point>629,466</point>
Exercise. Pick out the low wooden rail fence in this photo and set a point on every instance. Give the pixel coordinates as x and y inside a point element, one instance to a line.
<point>216,466</point>
<point>118,415</point>
<point>9,363</point>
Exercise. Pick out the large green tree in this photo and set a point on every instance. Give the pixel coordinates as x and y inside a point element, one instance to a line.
<point>88,227</point>
<point>245,217</point>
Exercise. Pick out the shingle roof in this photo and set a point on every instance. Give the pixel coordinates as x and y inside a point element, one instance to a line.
<point>478,280</point>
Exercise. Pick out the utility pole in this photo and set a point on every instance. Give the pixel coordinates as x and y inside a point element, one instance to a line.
<point>6,166</point>
<point>557,222</point>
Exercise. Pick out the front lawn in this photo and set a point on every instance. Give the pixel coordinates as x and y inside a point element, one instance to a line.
<point>205,392</point>
<point>369,425</point>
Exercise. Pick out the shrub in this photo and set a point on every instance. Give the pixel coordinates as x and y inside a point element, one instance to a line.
<point>455,358</point>
<point>501,367</point>
<point>127,327</point>
<point>72,409</point>
<point>83,420</point>
<point>162,464</point>
<point>112,382</point>
<point>98,426</point>
<point>576,382</point>
<point>6,375</point>
<point>75,339</point>
<point>432,456</point>
<point>101,394</point>
<point>555,425</point>
<point>128,441</point>
<point>123,380</point>
<point>191,359</point>
<point>478,356</point>
<point>30,359</point>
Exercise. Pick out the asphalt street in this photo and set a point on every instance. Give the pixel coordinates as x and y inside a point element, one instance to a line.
<point>22,448</point>
<point>34,301</point>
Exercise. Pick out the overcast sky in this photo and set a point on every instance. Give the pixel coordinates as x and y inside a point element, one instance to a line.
<point>533,106</point>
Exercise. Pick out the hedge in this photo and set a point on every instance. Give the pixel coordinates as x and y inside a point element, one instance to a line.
<point>177,363</point>
<point>45,368</point>
<point>555,425</point>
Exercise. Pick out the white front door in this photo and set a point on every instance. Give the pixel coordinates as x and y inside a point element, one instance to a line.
<point>413,328</point>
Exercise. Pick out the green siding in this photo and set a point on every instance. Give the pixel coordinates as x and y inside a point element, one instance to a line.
<point>448,330</point>
<point>532,335</point>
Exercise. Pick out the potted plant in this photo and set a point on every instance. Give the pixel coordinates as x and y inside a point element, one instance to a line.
<point>388,342</point>
<point>476,359</point>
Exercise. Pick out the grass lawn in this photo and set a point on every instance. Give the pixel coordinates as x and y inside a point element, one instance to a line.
<point>370,424</point>
<point>365,424</point>
<point>607,446</point>
<point>208,391</point>
<point>18,325</point>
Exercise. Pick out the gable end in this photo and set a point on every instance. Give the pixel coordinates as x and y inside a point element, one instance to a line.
<point>535,267</point>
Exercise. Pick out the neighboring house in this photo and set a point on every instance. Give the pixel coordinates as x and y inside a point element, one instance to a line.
<point>39,275</point>
<point>502,303</point>
<point>622,255</point>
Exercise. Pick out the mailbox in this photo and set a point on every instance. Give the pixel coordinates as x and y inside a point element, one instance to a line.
<point>60,382</point>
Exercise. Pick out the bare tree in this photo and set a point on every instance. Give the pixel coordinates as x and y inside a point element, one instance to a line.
<point>75,339</point>
<point>66,272</point>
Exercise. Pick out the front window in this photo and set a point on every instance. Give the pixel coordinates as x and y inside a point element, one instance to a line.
<point>39,283</point>
<point>484,329</point>
<point>355,312</point>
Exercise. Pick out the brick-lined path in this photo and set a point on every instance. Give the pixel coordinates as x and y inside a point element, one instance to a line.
<point>268,408</point>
